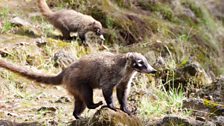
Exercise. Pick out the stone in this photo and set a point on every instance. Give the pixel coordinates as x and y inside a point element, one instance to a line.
<point>64,58</point>
<point>206,106</point>
<point>10,123</point>
<point>19,22</point>
<point>108,117</point>
<point>41,41</point>
<point>219,121</point>
<point>214,91</point>
<point>175,120</point>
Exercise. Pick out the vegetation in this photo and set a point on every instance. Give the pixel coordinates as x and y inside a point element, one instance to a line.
<point>6,24</point>
<point>180,33</point>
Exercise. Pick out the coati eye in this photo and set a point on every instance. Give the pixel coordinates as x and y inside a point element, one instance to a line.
<point>98,32</point>
<point>138,64</point>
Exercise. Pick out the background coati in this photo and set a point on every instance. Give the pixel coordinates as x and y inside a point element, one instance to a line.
<point>68,21</point>
<point>102,70</point>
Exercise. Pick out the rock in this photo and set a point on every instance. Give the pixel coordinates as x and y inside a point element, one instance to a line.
<point>19,22</point>
<point>175,120</point>
<point>63,100</point>
<point>4,52</point>
<point>219,121</point>
<point>200,118</point>
<point>203,106</point>
<point>188,77</point>
<point>25,28</point>
<point>28,31</point>
<point>160,61</point>
<point>10,123</point>
<point>41,41</point>
<point>214,91</point>
<point>52,109</point>
<point>195,70</point>
<point>64,58</point>
<point>108,117</point>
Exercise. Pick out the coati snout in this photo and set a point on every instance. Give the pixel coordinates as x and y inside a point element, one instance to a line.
<point>101,70</point>
<point>97,30</point>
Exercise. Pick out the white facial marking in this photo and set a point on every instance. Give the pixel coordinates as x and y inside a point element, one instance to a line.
<point>140,65</point>
<point>102,37</point>
<point>139,61</point>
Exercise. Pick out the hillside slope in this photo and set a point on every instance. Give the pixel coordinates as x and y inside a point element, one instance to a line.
<point>182,39</point>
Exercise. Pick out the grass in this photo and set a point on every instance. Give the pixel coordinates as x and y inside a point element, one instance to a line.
<point>165,103</point>
<point>180,41</point>
<point>7,26</point>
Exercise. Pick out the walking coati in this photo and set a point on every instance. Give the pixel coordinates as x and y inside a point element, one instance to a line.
<point>68,21</point>
<point>101,70</point>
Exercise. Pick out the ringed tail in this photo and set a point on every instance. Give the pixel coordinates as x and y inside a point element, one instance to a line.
<point>44,8</point>
<point>29,74</point>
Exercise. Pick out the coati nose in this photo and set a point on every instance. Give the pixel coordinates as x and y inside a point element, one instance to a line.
<point>153,71</point>
<point>102,37</point>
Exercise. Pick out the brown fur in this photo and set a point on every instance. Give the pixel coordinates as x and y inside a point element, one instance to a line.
<point>68,21</point>
<point>103,70</point>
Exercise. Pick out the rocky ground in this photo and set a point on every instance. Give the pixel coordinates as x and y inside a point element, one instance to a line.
<point>182,39</point>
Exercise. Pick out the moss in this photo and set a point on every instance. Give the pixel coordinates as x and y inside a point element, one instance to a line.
<point>214,107</point>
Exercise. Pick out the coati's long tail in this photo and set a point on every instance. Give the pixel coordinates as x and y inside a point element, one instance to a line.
<point>45,10</point>
<point>53,80</point>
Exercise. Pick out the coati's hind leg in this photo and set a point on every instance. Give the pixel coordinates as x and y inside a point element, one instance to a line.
<point>87,96</point>
<point>79,107</point>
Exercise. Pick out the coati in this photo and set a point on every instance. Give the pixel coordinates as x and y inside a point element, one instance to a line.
<point>68,21</point>
<point>103,70</point>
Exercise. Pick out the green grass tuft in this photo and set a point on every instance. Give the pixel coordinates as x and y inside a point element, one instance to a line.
<point>7,26</point>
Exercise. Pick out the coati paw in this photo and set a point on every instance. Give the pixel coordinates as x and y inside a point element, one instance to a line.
<point>111,106</point>
<point>124,109</point>
<point>93,106</point>
<point>76,116</point>
<point>99,103</point>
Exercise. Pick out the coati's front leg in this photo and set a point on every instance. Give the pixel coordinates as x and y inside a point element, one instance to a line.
<point>66,34</point>
<point>82,37</point>
<point>107,93</point>
<point>122,94</point>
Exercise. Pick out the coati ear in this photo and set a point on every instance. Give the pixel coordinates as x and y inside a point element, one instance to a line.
<point>92,23</point>
<point>129,55</point>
